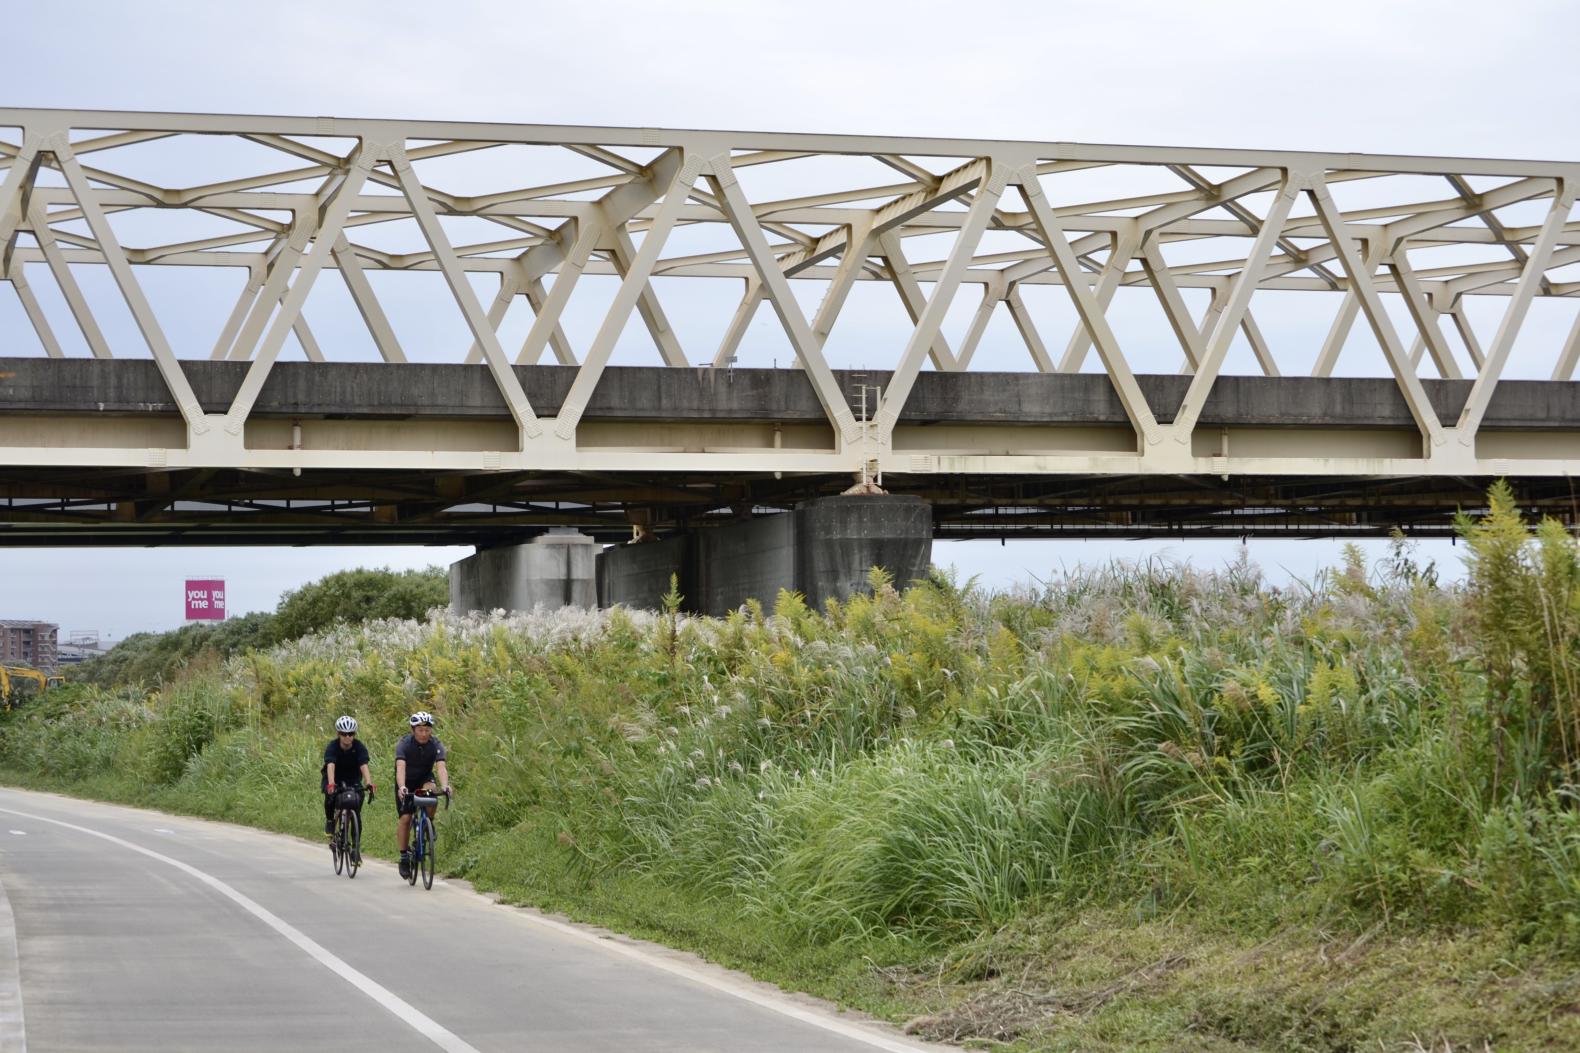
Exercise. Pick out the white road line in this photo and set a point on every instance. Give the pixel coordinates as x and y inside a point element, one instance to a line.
<point>727,985</point>
<point>397,1006</point>
<point>13,1030</point>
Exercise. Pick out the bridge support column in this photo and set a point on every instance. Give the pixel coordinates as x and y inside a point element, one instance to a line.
<point>823,549</point>
<point>554,570</point>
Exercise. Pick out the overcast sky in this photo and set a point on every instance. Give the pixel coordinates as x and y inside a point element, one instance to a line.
<point>1405,77</point>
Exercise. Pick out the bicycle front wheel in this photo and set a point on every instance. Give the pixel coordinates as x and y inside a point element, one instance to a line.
<point>417,848</point>
<point>353,844</point>
<point>337,841</point>
<point>427,853</point>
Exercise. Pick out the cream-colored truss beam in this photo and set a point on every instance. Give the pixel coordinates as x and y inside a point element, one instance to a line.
<point>59,146</point>
<point>38,225</point>
<point>735,331</point>
<point>990,186</point>
<point>1119,257</point>
<point>574,248</point>
<point>368,305</point>
<point>1186,330</point>
<point>1360,275</point>
<point>647,305</point>
<point>326,233</point>
<point>1216,343</point>
<point>1253,336</point>
<point>504,376</point>
<point>993,293</point>
<point>1532,272</point>
<point>1565,369</point>
<point>910,291</point>
<point>776,288</point>
<point>630,291</point>
<point>1063,255</point>
<point>1028,330</point>
<point>1424,316</point>
<point>35,314</point>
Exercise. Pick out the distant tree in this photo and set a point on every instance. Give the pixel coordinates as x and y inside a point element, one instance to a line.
<point>349,596</point>
<point>359,595</point>
<point>150,658</point>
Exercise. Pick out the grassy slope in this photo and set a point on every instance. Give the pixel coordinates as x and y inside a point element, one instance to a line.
<point>1145,811</point>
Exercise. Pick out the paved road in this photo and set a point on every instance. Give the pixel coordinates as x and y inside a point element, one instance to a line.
<point>130,930</point>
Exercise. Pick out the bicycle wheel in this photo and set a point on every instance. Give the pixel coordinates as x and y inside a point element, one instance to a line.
<point>353,845</point>
<point>427,852</point>
<point>337,842</point>
<point>416,847</point>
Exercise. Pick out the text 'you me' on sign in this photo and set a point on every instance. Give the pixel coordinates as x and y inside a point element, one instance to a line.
<point>205,599</point>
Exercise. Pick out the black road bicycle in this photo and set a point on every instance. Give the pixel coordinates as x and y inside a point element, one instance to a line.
<point>345,843</point>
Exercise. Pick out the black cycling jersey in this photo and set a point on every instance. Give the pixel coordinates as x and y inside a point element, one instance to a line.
<point>347,762</point>
<point>419,759</point>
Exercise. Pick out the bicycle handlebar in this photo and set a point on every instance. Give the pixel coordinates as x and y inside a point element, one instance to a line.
<point>425,799</point>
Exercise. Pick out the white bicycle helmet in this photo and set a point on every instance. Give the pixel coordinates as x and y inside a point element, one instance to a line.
<point>421,717</point>
<point>346,725</point>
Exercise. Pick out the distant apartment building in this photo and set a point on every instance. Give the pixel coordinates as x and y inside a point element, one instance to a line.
<point>29,643</point>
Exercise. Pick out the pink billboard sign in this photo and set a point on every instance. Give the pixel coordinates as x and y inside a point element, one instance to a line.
<point>205,599</point>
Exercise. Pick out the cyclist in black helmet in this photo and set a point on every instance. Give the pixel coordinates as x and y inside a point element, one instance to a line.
<point>419,756</point>
<point>345,764</point>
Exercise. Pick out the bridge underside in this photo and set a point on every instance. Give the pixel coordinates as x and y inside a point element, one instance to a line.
<point>1065,432</point>
<point>98,507</point>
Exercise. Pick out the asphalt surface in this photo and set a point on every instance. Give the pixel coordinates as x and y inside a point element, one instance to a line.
<point>128,930</point>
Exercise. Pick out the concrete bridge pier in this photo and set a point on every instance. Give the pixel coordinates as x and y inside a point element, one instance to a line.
<point>823,548</point>
<point>556,569</point>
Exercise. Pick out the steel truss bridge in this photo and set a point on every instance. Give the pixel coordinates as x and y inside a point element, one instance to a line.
<point>113,431</point>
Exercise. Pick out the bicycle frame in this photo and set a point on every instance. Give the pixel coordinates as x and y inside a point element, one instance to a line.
<point>423,837</point>
<point>345,841</point>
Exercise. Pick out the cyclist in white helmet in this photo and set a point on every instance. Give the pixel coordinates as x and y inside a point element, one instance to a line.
<point>345,764</point>
<point>419,757</point>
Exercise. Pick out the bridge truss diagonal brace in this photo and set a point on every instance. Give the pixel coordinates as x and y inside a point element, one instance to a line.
<point>59,145</point>
<point>1424,316</point>
<point>38,223</point>
<point>1565,369</point>
<point>1361,274</point>
<point>567,250</point>
<point>537,296</point>
<point>18,183</point>
<point>509,289</point>
<point>509,384</point>
<point>1119,257</point>
<point>1532,275</point>
<point>327,232</point>
<point>910,291</point>
<point>776,288</point>
<point>647,304</point>
<point>684,170</point>
<point>368,305</point>
<point>735,331</point>
<point>983,205</point>
<point>1215,343</point>
<point>994,291</point>
<point>548,308</point>
<point>1186,331</point>
<point>1088,309</point>
<point>263,299</point>
<point>35,314</point>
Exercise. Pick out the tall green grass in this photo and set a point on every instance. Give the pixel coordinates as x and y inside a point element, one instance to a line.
<point>1370,748</point>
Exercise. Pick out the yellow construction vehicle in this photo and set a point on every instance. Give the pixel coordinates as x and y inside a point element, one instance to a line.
<point>18,682</point>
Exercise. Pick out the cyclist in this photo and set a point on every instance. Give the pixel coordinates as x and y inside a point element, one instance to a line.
<point>419,756</point>
<point>345,764</point>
